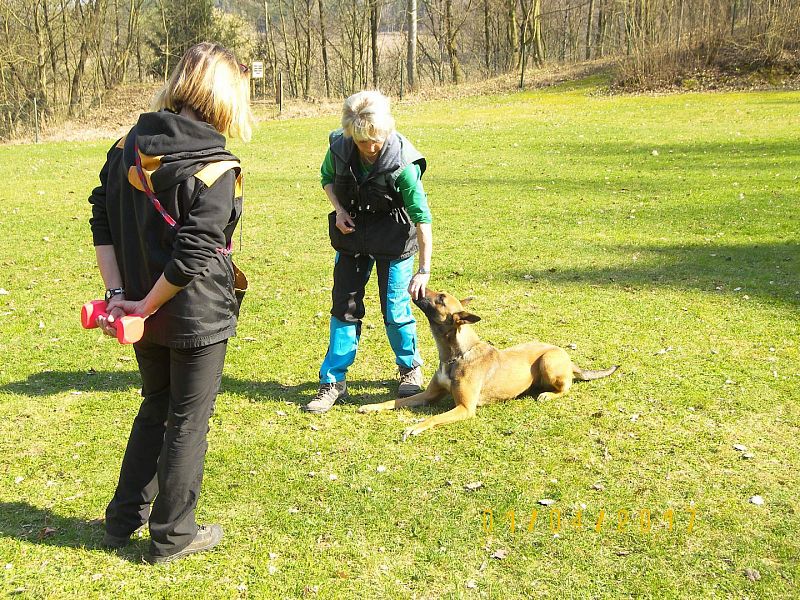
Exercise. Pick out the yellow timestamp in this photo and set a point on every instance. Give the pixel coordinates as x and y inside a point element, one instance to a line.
<point>555,520</point>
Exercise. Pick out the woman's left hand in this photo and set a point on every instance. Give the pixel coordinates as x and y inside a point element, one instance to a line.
<point>114,312</point>
<point>419,282</point>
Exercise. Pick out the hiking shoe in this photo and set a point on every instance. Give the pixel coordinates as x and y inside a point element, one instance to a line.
<point>326,397</point>
<point>410,381</point>
<point>207,537</point>
<point>114,542</point>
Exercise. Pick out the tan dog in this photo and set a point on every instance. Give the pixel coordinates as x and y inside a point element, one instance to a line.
<point>477,373</point>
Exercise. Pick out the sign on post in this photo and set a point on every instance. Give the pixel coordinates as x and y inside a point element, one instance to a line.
<point>257,72</point>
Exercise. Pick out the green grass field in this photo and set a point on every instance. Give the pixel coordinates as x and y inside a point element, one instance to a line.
<point>658,233</point>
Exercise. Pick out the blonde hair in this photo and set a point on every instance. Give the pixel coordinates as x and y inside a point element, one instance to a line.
<point>366,116</point>
<point>210,81</point>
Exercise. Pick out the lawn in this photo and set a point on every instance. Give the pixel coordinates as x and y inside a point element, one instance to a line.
<point>657,233</point>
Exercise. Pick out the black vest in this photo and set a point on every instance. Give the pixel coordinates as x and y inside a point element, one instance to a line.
<point>383,228</point>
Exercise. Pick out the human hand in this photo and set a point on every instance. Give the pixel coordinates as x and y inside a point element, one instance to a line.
<point>114,311</point>
<point>344,222</point>
<point>117,308</point>
<point>418,285</point>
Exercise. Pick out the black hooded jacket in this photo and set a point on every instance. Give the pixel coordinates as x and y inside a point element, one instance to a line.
<point>198,183</point>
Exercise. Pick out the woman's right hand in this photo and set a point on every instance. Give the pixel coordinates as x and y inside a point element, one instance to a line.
<point>114,311</point>
<point>344,222</point>
<point>117,308</point>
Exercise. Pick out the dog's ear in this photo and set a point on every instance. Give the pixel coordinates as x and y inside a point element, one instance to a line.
<point>467,300</point>
<point>463,316</point>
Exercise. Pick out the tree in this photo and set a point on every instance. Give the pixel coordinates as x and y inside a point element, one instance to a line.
<point>411,44</point>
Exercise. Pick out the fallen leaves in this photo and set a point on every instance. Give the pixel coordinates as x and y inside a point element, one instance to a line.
<point>475,485</point>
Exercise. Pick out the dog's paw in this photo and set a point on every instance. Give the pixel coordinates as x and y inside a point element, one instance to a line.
<point>413,430</point>
<point>368,408</point>
<point>544,396</point>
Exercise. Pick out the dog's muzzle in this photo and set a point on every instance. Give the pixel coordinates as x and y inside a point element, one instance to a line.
<point>422,303</point>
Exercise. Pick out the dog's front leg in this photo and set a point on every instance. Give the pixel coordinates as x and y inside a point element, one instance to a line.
<point>432,393</point>
<point>466,396</point>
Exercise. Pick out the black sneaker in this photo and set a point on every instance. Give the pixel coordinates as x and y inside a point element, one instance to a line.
<point>207,537</point>
<point>326,397</point>
<point>114,542</point>
<point>410,381</point>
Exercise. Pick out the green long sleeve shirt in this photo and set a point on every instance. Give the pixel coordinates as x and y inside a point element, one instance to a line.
<point>409,184</point>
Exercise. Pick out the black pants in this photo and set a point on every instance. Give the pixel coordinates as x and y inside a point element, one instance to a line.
<point>167,446</point>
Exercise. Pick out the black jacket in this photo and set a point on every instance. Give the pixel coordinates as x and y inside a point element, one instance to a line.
<point>198,183</point>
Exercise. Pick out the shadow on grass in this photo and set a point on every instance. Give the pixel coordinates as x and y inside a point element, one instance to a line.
<point>766,270</point>
<point>28,523</point>
<point>49,383</point>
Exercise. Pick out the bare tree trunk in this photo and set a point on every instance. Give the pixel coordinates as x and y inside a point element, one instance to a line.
<point>300,67</point>
<point>531,12</point>
<point>486,36</point>
<point>598,30</point>
<point>373,34</point>
<point>512,33</point>
<point>139,51</point>
<point>289,67</point>
<point>411,49</point>
<point>41,67</point>
<point>86,24</point>
<point>116,29</point>
<point>523,29</point>
<point>64,38</point>
<point>130,38</point>
<point>324,42</point>
<point>52,51</point>
<point>589,19</point>
<point>450,43</point>
<point>538,41</point>
<point>272,54</point>
<point>306,56</point>
<point>166,38</point>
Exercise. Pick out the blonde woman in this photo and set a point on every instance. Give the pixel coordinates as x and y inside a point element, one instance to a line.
<point>162,220</point>
<point>372,177</point>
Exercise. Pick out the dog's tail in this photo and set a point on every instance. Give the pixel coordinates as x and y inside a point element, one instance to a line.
<point>586,375</point>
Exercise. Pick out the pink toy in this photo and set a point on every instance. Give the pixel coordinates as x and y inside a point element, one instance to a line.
<point>130,328</point>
